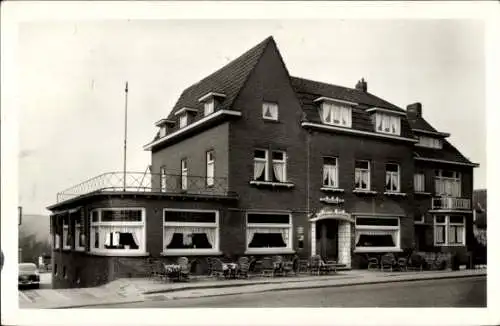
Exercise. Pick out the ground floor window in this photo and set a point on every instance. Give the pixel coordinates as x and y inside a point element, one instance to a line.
<point>269,232</point>
<point>187,231</point>
<point>449,230</point>
<point>80,232</point>
<point>374,234</point>
<point>118,230</point>
<point>55,230</point>
<point>66,233</point>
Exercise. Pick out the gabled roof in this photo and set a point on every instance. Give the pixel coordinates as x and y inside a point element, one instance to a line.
<point>447,153</point>
<point>228,80</point>
<point>419,123</point>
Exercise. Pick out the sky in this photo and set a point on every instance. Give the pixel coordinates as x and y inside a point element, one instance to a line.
<point>72,76</point>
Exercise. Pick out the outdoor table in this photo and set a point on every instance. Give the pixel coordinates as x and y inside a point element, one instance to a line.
<point>173,270</point>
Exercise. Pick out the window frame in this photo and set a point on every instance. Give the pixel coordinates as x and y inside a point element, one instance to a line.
<point>447,224</point>
<point>382,228</point>
<point>384,119</point>
<point>430,142</point>
<point>277,250</point>
<point>340,108</point>
<point>271,105</point>
<point>184,174</point>
<point>417,182</point>
<point>398,190</point>
<point>99,226</point>
<point>66,233</point>
<point>283,161</point>
<point>191,251</point>
<point>183,120</point>
<point>336,166</point>
<point>362,170</point>
<point>208,107</point>
<point>210,166</point>
<point>438,177</point>
<point>269,164</point>
<point>163,131</point>
<point>79,228</point>
<point>163,178</point>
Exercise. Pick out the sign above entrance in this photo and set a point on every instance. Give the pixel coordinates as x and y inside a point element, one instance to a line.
<point>330,213</point>
<point>331,200</point>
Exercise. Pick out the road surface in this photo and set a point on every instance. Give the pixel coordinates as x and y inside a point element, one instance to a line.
<point>458,292</point>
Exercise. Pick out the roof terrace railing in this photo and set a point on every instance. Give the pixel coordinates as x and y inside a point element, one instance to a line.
<point>147,182</point>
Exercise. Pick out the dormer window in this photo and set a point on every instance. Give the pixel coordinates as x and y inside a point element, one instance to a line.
<point>387,123</point>
<point>183,120</point>
<point>210,102</point>
<point>335,112</point>
<point>163,131</point>
<point>430,142</point>
<point>184,116</point>
<point>164,124</point>
<point>209,107</point>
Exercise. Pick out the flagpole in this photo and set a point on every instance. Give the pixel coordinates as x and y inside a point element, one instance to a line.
<point>125,141</point>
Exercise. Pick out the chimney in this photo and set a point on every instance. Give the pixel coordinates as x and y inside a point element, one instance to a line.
<point>362,85</point>
<point>414,109</point>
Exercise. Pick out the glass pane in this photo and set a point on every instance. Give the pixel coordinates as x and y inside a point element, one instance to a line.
<point>258,153</point>
<point>189,240</point>
<point>118,240</point>
<point>329,161</point>
<point>186,216</point>
<point>121,215</point>
<point>440,219</point>
<point>391,167</point>
<point>278,156</point>
<point>268,218</point>
<point>457,219</point>
<point>95,216</point>
<point>378,240</point>
<point>267,240</point>
<point>377,221</point>
<point>362,165</point>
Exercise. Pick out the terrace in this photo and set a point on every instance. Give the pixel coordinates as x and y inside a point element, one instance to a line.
<point>146,182</point>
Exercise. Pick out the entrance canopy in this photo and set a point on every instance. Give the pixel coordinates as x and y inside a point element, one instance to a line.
<point>329,213</point>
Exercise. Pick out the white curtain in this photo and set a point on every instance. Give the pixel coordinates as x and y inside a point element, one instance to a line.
<point>326,111</point>
<point>187,232</point>
<point>106,232</point>
<point>460,234</point>
<point>258,169</point>
<point>329,175</point>
<point>279,171</point>
<point>438,233</point>
<point>251,231</point>
<point>394,234</point>
<point>168,236</point>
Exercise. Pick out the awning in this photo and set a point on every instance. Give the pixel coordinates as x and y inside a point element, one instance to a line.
<point>334,214</point>
<point>68,211</point>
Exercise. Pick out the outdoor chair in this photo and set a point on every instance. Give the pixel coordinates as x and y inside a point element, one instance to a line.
<point>291,266</point>
<point>244,266</point>
<point>217,268</point>
<point>328,266</point>
<point>416,262</point>
<point>387,261</point>
<point>303,266</point>
<point>267,266</point>
<point>315,265</point>
<point>403,264</point>
<point>185,268</point>
<point>373,263</point>
<point>278,265</point>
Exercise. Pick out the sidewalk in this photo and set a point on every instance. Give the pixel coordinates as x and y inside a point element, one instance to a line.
<point>137,290</point>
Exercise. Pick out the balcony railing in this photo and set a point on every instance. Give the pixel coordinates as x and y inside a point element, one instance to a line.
<point>147,182</point>
<point>450,203</point>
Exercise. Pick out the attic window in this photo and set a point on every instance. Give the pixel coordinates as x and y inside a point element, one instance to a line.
<point>270,111</point>
<point>430,142</point>
<point>183,120</point>
<point>209,107</point>
<point>387,123</point>
<point>336,114</point>
<point>163,131</point>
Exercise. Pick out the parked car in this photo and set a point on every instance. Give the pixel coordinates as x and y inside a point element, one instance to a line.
<point>28,275</point>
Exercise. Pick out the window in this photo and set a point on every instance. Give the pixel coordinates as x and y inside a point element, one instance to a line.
<point>336,114</point>
<point>387,123</point>
<point>80,233</point>
<point>66,233</point>
<point>330,172</point>
<point>163,131</point>
<point>210,168</point>
<point>268,232</point>
<point>163,179</point>
<point>419,182</point>
<point>186,231</point>
<point>448,183</point>
<point>270,111</point>
<point>449,230</point>
<point>184,174</point>
<point>183,120</point>
<point>430,142</point>
<point>209,107</point>
<point>377,234</point>
<point>362,175</point>
<point>118,230</point>
<point>56,231</point>
<point>55,269</point>
<point>65,275</point>
<point>392,177</point>
<point>262,170</point>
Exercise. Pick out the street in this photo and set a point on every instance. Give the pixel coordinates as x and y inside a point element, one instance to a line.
<point>458,292</point>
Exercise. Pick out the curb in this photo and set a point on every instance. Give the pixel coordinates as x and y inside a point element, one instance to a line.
<point>380,281</point>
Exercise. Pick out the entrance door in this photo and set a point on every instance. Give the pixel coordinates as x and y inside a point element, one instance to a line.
<point>327,239</point>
